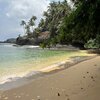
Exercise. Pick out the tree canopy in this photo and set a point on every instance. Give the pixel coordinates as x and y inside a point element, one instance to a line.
<point>68,25</point>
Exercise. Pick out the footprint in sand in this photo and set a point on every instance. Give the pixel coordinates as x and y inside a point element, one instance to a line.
<point>81,88</point>
<point>92,77</point>
<point>87,72</point>
<point>83,76</point>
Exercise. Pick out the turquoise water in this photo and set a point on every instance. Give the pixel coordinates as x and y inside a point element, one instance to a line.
<point>15,61</point>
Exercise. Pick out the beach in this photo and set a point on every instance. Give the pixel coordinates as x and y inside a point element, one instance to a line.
<point>50,50</point>
<point>78,82</point>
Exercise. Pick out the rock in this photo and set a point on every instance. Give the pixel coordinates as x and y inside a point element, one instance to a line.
<point>92,77</point>
<point>58,94</point>
<point>81,88</point>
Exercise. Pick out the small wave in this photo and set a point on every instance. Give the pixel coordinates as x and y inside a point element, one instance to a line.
<point>8,45</point>
<point>27,46</point>
<point>32,73</point>
<point>10,78</point>
<point>33,46</point>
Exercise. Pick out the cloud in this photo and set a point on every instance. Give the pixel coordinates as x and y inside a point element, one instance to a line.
<point>26,8</point>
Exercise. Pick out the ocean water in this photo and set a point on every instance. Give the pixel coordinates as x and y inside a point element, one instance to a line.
<point>19,61</point>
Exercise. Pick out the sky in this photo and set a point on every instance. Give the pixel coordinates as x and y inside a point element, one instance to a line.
<point>13,11</point>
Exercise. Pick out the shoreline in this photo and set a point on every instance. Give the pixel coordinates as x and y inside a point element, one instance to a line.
<point>81,81</point>
<point>31,76</point>
<point>29,67</point>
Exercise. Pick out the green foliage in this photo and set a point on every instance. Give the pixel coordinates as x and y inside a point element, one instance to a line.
<point>53,19</point>
<point>29,26</point>
<point>36,32</point>
<point>43,45</point>
<point>32,22</point>
<point>67,26</point>
<point>98,40</point>
<point>91,44</point>
<point>83,23</point>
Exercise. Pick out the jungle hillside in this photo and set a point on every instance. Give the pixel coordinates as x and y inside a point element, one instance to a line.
<point>77,24</point>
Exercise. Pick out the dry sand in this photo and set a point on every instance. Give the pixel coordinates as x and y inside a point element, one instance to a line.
<point>79,82</point>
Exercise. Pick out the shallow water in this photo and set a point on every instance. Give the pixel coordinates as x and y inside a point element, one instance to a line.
<point>19,61</point>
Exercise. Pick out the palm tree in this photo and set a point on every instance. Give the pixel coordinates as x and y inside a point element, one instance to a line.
<point>36,32</point>
<point>32,22</point>
<point>23,23</point>
<point>27,27</point>
<point>41,24</point>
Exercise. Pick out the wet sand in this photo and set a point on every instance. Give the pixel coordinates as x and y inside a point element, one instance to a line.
<point>79,82</point>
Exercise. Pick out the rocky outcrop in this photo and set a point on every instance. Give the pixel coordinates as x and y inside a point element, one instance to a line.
<point>32,41</point>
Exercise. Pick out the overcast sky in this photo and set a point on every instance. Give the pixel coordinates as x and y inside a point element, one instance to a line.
<point>13,11</point>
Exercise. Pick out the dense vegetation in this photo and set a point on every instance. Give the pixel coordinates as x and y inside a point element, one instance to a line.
<point>83,23</point>
<point>77,25</point>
